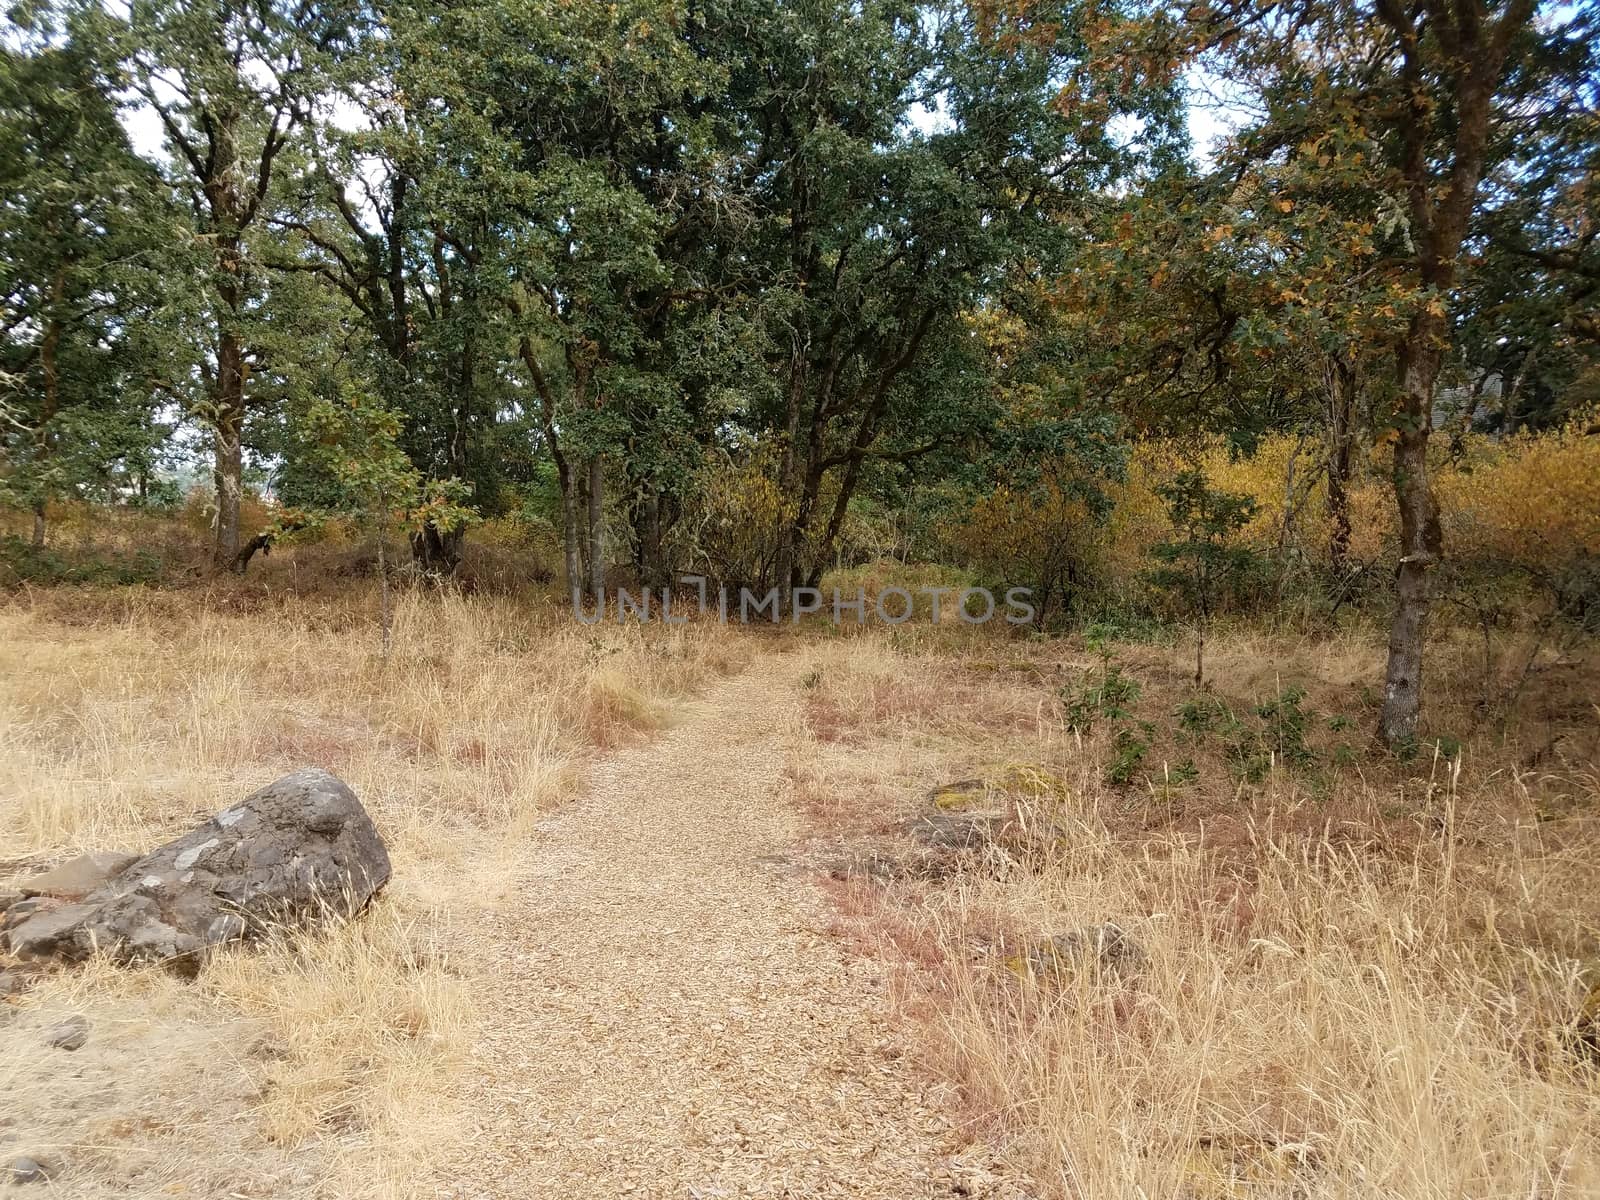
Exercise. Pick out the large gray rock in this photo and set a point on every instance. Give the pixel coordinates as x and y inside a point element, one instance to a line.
<point>298,851</point>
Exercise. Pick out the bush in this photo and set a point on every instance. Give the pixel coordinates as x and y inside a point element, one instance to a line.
<point>21,562</point>
<point>1046,538</point>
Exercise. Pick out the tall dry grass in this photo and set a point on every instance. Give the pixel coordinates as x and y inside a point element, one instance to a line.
<point>1359,982</point>
<point>318,1066</point>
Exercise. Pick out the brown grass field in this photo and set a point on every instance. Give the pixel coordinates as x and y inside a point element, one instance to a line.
<point>1363,980</point>
<point>317,1068</point>
<point>1361,976</point>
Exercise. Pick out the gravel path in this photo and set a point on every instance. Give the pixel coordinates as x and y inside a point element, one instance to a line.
<point>664,1015</point>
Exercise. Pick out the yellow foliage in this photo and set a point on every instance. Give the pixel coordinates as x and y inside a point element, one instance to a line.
<point>731,528</point>
<point>1043,537</point>
<point>1531,499</point>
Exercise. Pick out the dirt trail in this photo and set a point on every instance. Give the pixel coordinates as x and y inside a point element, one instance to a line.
<point>664,1015</point>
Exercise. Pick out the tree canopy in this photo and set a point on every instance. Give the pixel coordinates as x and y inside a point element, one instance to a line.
<point>595,260</point>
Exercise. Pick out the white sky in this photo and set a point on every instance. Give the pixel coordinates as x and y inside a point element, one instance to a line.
<point>1213,115</point>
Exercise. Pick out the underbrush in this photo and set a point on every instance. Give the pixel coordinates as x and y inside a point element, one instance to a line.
<point>130,715</point>
<point>105,545</point>
<point>1355,973</point>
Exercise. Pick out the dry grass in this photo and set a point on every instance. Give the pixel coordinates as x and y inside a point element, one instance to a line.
<point>1361,974</point>
<point>318,1067</point>
<point>1361,980</point>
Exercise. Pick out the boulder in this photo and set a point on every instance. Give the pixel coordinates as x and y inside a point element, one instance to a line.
<point>296,852</point>
<point>77,877</point>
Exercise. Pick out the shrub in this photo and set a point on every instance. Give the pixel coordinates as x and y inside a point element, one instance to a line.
<point>21,562</point>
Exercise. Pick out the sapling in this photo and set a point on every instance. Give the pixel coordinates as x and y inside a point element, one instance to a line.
<point>357,441</point>
<point>1202,562</point>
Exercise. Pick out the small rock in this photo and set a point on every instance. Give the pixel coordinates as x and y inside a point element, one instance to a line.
<point>70,1034</point>
<point>19,911</point>
<point>7,899</point>
<point>1107,948</point>
<point>962,794</point>
<point>956,831</point>
<point>46,930</point>
<point>26,1170</point>
<point>13,983</point>
<point>77,877</point>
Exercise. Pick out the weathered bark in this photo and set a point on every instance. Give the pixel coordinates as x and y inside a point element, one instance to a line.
<point>1511,396</point>
<point>571,570</point>
<point>231,210</point>
<point>789,529</point>
<point>228,442</point>
<point>435,552</point>
<point>649,535</point>
<point>1420,536</point>
<point>571,578</point>
<point>398,339</point>
<point>230,192</point>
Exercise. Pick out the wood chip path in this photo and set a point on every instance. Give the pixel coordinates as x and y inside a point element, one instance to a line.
<point>663,1015</point>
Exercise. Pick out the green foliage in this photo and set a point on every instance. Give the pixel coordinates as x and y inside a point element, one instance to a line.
<point>81,258</point>
<point>1277,736</point>
<point>1129,748</point>
<point>23,563</point>
<point>1111,698</point>
<point>1203,561</point>
<point>1204,715</point>
<point>357,441</point>
<point>1283,726</point>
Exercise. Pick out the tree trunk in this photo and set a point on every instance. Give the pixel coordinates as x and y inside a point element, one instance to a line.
<point>1420,536</point>
<point>49,366</point>
<point>437,554</point>
<point>564,476</point>
<point>228,404</point>
<point>1508,402</point>
<point>783,563</point>
<point>596,533</point>
<point>569,529</point>
<point>1340,382</point>
<point>385,613</point>
<point>1440,218</point>
<point>229,447</point>
<point>647,524</point>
